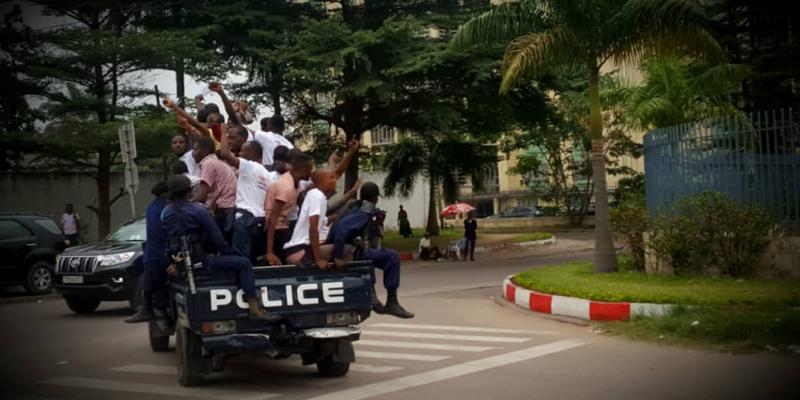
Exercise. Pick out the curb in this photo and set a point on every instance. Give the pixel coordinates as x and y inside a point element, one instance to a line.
<point>552,240</point>
<point>579,308</point>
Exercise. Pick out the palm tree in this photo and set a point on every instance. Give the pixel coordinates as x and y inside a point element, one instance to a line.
<point>545,34</point>
<point>442,161</point>
<point>677,92</point>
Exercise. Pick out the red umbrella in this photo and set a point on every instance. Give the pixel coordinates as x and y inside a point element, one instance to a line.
<point>457,208</point>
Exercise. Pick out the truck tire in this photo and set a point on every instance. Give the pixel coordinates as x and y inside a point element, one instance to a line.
<point>81,305</point>
<point>191,365</point>
<point>332,369</point>
<point>39,279</point>
<point>158,342</point>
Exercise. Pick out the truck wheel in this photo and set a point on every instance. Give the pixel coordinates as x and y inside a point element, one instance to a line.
<point>158,342</point>
<point>39,279</point>
<point>332,369</point>
<point>191,366</point>
<point>81,305</point>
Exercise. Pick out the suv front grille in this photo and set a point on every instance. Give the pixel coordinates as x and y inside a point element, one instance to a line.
<point>77,265</point>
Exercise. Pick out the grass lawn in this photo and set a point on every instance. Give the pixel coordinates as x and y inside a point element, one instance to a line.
<point>577,280</point>
<point>727,314</point>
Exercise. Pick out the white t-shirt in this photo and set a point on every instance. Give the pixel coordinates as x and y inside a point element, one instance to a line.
<point>302,186</point>
<point>191,165</point>
<point>315,203</point>
<point>269,141</point>
<point>251,187</point>
<point>424,242</point>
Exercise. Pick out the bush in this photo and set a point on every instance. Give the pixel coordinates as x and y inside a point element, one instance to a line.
<point>711,234</point>
<point>630,220</point>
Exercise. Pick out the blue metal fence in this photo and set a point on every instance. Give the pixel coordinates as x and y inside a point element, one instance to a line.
<point>753,160</point>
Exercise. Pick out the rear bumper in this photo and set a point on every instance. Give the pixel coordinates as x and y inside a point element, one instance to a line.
<point>263,343</point>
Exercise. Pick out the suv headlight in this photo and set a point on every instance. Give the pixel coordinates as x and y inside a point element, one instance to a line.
<point>114,259</point>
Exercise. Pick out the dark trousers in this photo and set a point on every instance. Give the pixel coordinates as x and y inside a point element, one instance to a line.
<point>240,265</point>
<point>389,262</point>
<point>156,285</point>
<point>282,236</point>
<point>249,238</point>
<point>470,250</point>
<point>73,239</point>
<point>224,219</point>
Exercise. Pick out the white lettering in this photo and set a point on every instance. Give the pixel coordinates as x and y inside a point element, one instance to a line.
<point>333,292</point>
<point>219,297</point>
<point>289,295</point>
<point>266,302</point>
<point>240,301</point>
<point>301,294</point>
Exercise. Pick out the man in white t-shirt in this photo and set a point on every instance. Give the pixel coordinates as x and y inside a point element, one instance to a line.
<point>271,139</point>
<point>312,225</point>
<point>251,191</point>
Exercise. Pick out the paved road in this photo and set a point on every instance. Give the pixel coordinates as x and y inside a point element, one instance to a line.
<point>464,344</point>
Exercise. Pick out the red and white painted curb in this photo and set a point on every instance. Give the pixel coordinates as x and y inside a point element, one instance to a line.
<point>579,308</point>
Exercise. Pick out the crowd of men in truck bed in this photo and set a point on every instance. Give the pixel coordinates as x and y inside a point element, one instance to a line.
<point>242,197</point>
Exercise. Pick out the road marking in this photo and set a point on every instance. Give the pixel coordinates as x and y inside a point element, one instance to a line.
<point>454,371</point>
<point>399,356</point>
<point>375,369</point>
<point>163,390</point>
<point>468,338</point>
<point>425,346</point>
<point>461,329</point>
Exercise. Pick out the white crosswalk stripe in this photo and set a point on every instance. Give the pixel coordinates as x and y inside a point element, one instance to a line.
<point>422,346</point>
<point>467,338</point>
<point>162,390</point>
<point>460,328</point>
<point>399,356</point>
<point>373,369</point>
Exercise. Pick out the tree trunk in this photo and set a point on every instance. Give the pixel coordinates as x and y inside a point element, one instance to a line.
<point>180,88</point>
<point>103,198</point>
<point>433,220</point>
<point>605,259</point>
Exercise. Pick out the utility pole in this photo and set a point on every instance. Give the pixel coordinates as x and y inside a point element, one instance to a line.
<point>127,146</point>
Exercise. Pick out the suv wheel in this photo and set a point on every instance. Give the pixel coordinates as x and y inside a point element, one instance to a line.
<point>191,365</point>
<point>40,278</point>
<point>81,305</point>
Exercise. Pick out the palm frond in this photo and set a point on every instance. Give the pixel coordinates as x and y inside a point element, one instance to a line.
<point>502,23</point>
<point>645,28</point>
<point>530,55</point>
<point>404,162</point>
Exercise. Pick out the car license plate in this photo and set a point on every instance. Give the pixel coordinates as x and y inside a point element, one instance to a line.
<point>73,279</point>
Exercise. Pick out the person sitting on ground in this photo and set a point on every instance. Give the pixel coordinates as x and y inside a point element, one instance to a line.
<point>182,218</point>
<point>426,251</point>
<point>281,201</point>
<point>356,221</point>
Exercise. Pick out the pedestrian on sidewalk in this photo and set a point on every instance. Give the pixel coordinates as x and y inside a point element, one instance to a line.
<point>471,235</point>
<point>403,224</point>
<point>70,223</point>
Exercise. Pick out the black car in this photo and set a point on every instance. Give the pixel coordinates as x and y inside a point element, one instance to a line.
<point>518,212</point>
<point>29,244</point>
<point>109,270</point>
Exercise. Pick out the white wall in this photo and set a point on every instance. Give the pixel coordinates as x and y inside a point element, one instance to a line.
<point>416,205</point>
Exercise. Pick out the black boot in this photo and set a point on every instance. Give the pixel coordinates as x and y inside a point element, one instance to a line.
<point>394,308</point>
<point>145,311</point>
<point>377,306</point>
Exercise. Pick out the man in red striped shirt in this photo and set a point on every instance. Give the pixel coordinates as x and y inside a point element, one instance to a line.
<point>217,187</point>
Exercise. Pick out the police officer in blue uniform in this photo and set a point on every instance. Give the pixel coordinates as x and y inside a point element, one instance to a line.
<point>155,261</point>
<point>183,218</point>
<point>359,220</point>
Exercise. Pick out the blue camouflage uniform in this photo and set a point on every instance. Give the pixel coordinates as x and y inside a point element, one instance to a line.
<point>352,225</point>
<point>186,218</point>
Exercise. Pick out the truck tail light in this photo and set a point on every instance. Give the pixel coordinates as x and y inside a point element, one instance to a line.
<point>218,327</point>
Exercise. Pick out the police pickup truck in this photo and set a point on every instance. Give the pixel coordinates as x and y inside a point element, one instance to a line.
<point>313,312</point>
